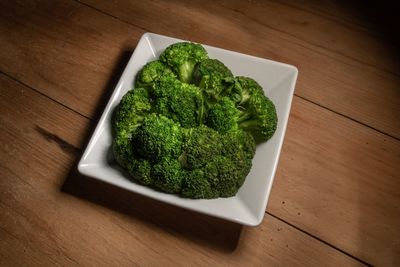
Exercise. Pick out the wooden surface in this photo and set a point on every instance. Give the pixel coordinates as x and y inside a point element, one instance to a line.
<point>335,199</point>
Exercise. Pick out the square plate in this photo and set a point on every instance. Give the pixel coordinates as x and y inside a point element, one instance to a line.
<point>249,204</point>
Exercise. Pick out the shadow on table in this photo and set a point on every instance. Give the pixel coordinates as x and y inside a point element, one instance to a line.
<point>201,229</point>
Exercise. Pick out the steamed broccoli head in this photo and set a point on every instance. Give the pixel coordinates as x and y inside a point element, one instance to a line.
<point>200,145</point>
<point>224,176</point>
<point>182,59</point>
<point>196,185</point>
<point>238,143</point>
<point>122,150</point>
<point>222,116</point>
<point>259,118</point>
<point>140,170</point>
<point>131,110</point>
<point>239,147</point>
<point>168,175</point>
<point>241,89</point>
<point>256,112</point>
<point>151,73</point>
<point>158,137</point>
<point>211,75</point>
<point>179,101</point>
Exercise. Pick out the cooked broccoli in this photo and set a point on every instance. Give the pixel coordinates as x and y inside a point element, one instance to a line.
<point>195,184</point>
<point>151,73</point>
<point>158,137</point>
<point>179,101</point>
<point>182,59</point>
<point>189,126</point>
<point>168,175</point>
<point>258,113</point>
<point>223,115</point>
<point>130,112</point>
<point>140,170</point>
<point>224,176</point>
<point>245,107</point>
<point>213,77</point>
<point>200,145</point>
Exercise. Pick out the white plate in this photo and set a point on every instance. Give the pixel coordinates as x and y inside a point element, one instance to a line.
<point>248,206</point>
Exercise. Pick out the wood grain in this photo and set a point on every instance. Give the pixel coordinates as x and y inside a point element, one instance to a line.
<point>339,181</point>
<point>372,17</point>
<point>93,224</point>
<point>72,59</point>
<point>340,68</point>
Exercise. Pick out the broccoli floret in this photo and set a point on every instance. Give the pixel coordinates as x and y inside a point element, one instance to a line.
<point>238,141</point>
<point>182,59</point>
<point>130,113</point>
<point>224,176</point>
<point>255,112</point>
<point>196,185</point>
<point>258,115</point>
<point>151,73</point>
<point>200,145</point>
<point>179,101</point>
<point>223,116</point>
<point>241,89</point>
<point>158,137</point>
<point>131,110</point>
<point>122,150</point>
<point>212,76</point>
<point>140,170</point>
<point>168,175</point>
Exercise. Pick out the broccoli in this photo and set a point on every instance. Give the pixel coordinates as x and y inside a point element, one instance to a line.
<point>179,101</point>
<point>223,116</point>
<point>200,145</point>
<point>157,137</point>
<point>182,59</point>
<point>213,77</point>
<point>257,112</point>
<point>224,176</point>
<point>151,73</point>
<point>245,107</point>
<point>131,110</point>
<point>189,127</point>
<point>140,170</point>
<point>196,185</point>
<point>168,175</point>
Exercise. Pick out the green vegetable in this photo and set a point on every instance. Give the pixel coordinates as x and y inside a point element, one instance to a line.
<point>213,77</point>
<point>189,126</point>
<point>179,101</point>
<point>182,59</point>
<point>158,137</point>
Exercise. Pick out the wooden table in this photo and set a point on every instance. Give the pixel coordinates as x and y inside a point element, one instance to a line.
<point>335,199</point>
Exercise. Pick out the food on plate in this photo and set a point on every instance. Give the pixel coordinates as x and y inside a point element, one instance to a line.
<point>190,127</point>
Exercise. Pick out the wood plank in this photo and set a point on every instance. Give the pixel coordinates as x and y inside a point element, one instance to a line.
<point>74,59</point>
<point>331,58</point>
<point>321,32</point>
<point>372,17</point>
<point>91,223</point>
<point>311,223</point>
<point>339,181</point>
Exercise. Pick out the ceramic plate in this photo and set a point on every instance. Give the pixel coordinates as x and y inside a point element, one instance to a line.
<point>248,206</point>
